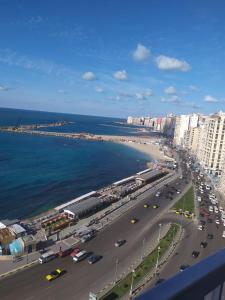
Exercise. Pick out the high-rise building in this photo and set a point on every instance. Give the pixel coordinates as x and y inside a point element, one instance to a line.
<point>181,125</point>
<point>211,152</point>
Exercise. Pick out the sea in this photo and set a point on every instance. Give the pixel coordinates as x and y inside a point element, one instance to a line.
<point>38,173</point>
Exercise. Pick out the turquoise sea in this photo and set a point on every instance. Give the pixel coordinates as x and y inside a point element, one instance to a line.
<point>38,172</point>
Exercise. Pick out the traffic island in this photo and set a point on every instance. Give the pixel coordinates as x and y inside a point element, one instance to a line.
<point>125,285</point>
<point>186,205</point>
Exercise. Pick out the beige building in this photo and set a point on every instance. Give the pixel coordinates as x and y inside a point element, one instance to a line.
<point>192,139</point>
<point>211,150</point>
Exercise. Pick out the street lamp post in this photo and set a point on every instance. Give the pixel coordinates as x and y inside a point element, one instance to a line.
<point>143,249</point>
<point>117,262</point>
<point>157,261</point>
<point>131,285</point>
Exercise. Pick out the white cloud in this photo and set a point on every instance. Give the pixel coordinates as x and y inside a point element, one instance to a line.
<point>166,63</point>
<point>193,88</point>
<point>173,99</point>
<point>3,88</point>
<point>140,95</point>
<point>99,89</point>
<point>210,99</point>
<point>89,76</point>
<point>120,75</point>
<point>171,90</point>
<point>141,53</point>
<point>61,91</point>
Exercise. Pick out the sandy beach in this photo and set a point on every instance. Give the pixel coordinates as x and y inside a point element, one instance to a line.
<point>147,145</point>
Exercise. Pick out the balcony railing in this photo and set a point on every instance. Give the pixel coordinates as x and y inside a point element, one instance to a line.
<point>203,281</point>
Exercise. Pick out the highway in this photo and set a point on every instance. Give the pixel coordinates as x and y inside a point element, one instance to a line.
<point>81,278</point>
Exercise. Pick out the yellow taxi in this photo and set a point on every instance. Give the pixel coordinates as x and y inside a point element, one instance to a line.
<point>133,221</point>
<point>53,275</point>
<point>177,212</point>
<point>155,206</point>
<point>146,205</point>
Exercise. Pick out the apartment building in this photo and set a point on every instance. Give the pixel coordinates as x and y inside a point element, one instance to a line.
<point>211,152</point>
<point>181,125</point>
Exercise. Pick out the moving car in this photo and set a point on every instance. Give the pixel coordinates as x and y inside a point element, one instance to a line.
<point>217,221</point>
<point>160,280</point>
<point>133,221</point>
<point>200,227</point>
<point>157,194</point>
<point>155,206</point>
<point>223,235</point>
<point>146,205</point>
<point>119,243</point>
<point>210,236</point>
<point>195,254</point>
<point>94,258</point>
<point>203,245</point>
<point>183,267</point>
<point>53,275</point>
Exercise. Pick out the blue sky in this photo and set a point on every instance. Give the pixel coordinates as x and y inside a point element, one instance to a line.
<point>113,58</point>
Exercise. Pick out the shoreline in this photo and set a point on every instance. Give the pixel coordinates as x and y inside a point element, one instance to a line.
<point>143,144</point>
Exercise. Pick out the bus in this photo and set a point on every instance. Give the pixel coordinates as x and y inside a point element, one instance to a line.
<point>46,257</point>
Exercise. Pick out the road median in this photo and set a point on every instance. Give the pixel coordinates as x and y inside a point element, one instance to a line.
<point>150,263</point>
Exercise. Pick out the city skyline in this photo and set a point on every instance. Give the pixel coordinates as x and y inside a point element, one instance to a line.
<point>124,59</point>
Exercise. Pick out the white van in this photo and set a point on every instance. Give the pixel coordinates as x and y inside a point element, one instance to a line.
<point>46,257</point>
<point>80,256</point>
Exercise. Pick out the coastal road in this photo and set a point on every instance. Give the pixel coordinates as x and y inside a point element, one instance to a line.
<point>81,278</point>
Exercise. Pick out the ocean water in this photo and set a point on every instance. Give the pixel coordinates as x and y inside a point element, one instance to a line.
<point>37,172</point>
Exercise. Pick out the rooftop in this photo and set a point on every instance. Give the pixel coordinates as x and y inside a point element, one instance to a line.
<point>83,206</point>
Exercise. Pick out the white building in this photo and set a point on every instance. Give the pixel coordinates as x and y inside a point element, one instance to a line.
<point>181,125</point>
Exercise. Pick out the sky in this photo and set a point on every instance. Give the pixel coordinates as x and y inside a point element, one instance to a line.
<point>113,58</point>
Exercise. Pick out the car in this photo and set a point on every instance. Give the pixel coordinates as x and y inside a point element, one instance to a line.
<point>195,254</point>
<point>80,256</point>
<point>208,187</point>
<point>223,235</point>
<point>87,237</point>
<point>133,221</point>
<point>216,209</point>
<point>188,216</point>
<point>157,194</point>
<point>200,227</point>
<point>146,205</point>
<point>178,191</point>
<point>53,275</point>
<point>94,258</point>
<point>199,199</point>
<point>184,267</point>
<point>217,221</point>
<point>210,220</point>
<point>155,206</point>
<point>202,222</point>
<point>74,252</point>
<point>210,208</point>
<point>203,244</point>
<point>160,280</point>
<point>210,236</point>
<point>119,243</point>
